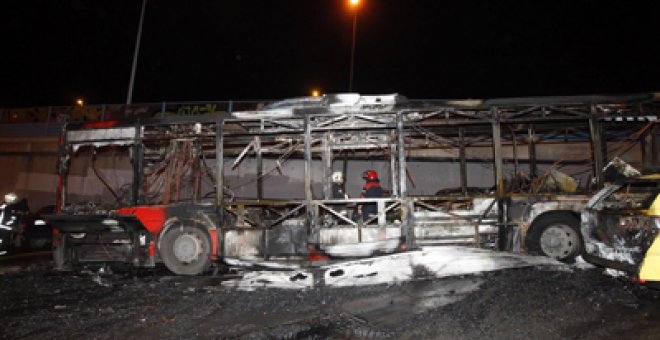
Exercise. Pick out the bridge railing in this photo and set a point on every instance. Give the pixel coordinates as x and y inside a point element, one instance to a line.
<point>75,113</point>
<point>48,120</point>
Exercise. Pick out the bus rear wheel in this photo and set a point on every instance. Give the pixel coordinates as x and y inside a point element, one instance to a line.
<point>185,250</point>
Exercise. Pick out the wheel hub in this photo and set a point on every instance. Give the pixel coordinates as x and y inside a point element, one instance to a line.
<point>187,248</point>
<point>559,241</point>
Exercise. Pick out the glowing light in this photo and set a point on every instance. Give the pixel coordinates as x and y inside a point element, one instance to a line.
<point>316,93</point>
<point>80,102</point>
<point>354,3</point>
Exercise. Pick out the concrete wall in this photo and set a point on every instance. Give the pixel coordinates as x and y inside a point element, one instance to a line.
<point>28,168</point>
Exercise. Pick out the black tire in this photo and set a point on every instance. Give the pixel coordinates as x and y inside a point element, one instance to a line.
<point>556,235</point>
<point>185,250</point>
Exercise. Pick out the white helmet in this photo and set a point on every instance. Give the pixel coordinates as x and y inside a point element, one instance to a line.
<point>337,177</point>
<point>11,198</point>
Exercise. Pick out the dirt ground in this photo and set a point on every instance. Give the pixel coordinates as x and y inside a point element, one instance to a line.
<point>529,303</point>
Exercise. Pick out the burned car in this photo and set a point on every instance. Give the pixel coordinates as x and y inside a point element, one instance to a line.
<point>620,227</point>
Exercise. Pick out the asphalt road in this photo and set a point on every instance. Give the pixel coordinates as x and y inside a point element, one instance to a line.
<point>527,303</point>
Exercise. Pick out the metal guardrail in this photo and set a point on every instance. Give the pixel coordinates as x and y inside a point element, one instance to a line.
<point>48,121</point>
<point>98,112</point>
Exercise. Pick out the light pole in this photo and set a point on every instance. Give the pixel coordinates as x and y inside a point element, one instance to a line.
<point>129,96</point>
<point>353,4</point>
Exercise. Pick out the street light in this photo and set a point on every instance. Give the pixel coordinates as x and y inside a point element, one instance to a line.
<point>80,102</point>
<point>129,96</point>
<point>316,93</point>
<point>353,4</point>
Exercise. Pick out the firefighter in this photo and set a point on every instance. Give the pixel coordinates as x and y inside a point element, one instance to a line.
<point>338,191</point>
<point>371,189</point>
<point>12,217</point>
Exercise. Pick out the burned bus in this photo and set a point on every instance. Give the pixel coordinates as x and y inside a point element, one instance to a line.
<point>192,191</point>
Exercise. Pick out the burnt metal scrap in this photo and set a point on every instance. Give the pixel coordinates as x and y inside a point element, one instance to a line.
<point>620,224</point>
<point>200,185</point>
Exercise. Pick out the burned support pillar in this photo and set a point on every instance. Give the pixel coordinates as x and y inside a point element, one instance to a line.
<point>344,165</point>
<point>308,160</point>
<point>310,211</point>
<point>219,181</point>
<point>196,175</point>
<point>497,153</point>
<point>327,165</point>
<point>260,167</point>
<point>463,160</point>
<point>394,178</point>
<point>62,171</point>
<point>219,167</point>
<point>596,147</point>
<point>403,192</point>
<point>531,150</point>
<point>260,184</point>
<point>514,141</point>
<point>499,179</point>
<point>137,192</point>
<point>407,225</point>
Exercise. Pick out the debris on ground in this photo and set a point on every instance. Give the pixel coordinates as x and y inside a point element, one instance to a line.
<point>518,303</point>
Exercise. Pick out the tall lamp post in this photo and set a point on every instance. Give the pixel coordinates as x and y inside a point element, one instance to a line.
<point>129,96</point>
<point>353,4</point>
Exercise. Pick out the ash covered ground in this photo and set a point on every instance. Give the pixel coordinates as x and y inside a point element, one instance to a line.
<point>525,303</point>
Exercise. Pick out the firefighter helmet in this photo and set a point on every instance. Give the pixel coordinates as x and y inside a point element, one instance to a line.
<point>370,175</point>
<point>11,198</point>
<point>337,177</point>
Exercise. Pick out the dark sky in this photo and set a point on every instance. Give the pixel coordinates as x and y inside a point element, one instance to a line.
<point>56,50</point>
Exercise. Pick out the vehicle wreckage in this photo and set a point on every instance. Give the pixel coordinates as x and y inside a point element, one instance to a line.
<point>620,225</point>
<point>257,185</point>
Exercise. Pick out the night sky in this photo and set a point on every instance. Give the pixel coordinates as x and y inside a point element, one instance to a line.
<point>54,51</point>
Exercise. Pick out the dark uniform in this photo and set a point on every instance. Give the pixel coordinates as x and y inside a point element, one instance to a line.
<point>371,189</point>
<point>338,191</point>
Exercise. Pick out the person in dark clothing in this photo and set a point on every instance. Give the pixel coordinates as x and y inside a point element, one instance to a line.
<point>338,191</point>
<point>12,217</point>
<point>371,189</point>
